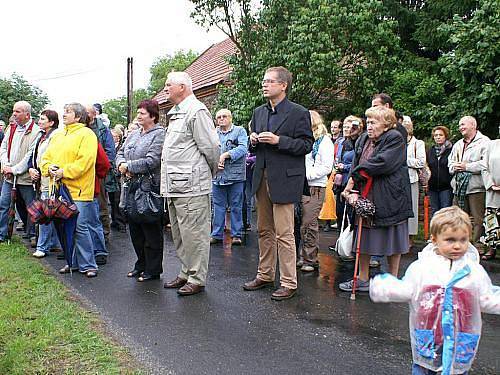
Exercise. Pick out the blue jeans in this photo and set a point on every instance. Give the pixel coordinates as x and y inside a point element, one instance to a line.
<point>83,255</point>
<point>97,232</point>
<point>224,196</point>
<point>25,194</point>
<point>47,234</point>
<point>419,370</point>
<point>440,199</point>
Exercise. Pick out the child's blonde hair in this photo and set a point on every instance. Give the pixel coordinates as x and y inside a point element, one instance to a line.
<point>450,217</point>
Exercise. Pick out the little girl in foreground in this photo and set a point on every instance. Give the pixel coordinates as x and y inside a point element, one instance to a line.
<point>447,289</point>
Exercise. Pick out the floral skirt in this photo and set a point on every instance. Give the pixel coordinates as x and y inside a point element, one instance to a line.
<point>492,228</point>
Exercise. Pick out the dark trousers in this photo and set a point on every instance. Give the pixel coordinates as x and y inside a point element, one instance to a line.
<point>340,206</point>
<point>147,239</point>
<point>117,218</point>
<point>440,199</point>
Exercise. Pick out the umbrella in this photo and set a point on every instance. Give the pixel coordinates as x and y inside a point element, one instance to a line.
<point>426,217</point>
<point>66,227</point>
<point>12,211</point>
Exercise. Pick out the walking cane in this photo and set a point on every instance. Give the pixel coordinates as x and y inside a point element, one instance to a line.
<point>364,194</point>
<point>356,263</point>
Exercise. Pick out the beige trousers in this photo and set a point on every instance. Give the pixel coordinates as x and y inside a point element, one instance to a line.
<point>276,240</point>
<point>190,221</point>
<point>309,230</point>
<point>475,207</point>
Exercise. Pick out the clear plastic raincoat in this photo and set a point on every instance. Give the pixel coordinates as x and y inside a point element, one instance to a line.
<point>446,300</point>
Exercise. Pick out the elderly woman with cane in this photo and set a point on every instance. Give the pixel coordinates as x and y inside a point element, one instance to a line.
<point>380,158</point>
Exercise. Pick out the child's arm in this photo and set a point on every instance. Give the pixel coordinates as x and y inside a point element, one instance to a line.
<point>489,298</point>
<point>387,288</point>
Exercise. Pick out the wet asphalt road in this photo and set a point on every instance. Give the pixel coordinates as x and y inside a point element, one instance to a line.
<point>226,330</point>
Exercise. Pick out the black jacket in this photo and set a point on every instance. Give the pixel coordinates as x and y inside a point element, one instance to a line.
<point>391,192</point>
<point>285,162</point>
<point>440,174</point>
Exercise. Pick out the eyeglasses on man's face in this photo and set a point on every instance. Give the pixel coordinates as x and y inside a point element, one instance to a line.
<point>222,116</point>
<point>268,81</point>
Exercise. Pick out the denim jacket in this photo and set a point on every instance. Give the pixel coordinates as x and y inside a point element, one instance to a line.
<point>234,141</point>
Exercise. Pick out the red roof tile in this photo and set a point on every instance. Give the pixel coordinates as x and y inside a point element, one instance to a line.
<point>210,68</point>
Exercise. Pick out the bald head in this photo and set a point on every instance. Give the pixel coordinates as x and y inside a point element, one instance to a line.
<point>22,112</point>
<point>468,127</point>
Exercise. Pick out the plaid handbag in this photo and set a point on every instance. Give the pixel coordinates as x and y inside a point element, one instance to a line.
<point>66,208</point>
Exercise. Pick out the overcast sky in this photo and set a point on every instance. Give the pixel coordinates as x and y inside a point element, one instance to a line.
<point>77,50</point>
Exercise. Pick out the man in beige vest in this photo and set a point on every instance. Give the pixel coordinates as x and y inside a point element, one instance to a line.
<point>15,152</point>
<point>189,161</point>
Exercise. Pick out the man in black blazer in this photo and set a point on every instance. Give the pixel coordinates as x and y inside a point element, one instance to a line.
<point>281,138</point>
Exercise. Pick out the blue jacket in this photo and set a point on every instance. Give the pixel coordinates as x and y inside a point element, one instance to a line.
<point>235,141</point>
<point>105,138</point>
<point>345,157</point>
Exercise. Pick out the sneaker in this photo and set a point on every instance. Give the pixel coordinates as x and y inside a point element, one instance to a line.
<point>333,226</point>
<point>236,241</point>
<point>300,263</point>
<point>214,241</point>
<point>101,260</point>
<point>307,268</point>
<point>361,286</point>
<point>39,254</point>
<point>374,263</point>
<point>350,258</point>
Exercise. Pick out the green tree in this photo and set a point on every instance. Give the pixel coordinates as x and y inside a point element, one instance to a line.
<point>116,108</point>
<point>339,52</point>
<point>472,69</point>
<point>179,61</point>
<point>16,88</point>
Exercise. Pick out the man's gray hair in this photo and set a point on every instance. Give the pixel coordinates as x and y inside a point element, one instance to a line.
<point>180,78</point>
<point>470,119</point>
<point>24,105</point>
<point>80,111</point>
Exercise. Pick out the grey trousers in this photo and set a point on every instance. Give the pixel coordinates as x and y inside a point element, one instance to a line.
<point>309,230</point>
<point>190,224</point>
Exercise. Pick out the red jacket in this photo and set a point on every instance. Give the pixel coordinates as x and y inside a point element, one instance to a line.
<point>102,167</point>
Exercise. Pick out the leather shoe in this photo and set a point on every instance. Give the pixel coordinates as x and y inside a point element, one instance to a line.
<point>256,284</point>
<point>147,277</point>
<point>283,293</point>
<point>178,282</point>
<point>190,289</point>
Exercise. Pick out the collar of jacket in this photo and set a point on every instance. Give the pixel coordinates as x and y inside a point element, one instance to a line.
<point>71,128</point>
<point>183,106</point>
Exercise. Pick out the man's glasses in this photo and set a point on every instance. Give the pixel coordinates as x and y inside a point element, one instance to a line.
<point>267,81</point>
<point>221,116</point>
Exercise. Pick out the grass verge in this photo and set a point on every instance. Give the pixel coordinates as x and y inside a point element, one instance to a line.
<point>43,330</point>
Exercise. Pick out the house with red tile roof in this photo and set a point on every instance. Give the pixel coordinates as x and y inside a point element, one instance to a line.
<point>208,71</point>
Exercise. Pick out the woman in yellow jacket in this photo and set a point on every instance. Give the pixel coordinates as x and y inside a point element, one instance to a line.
<point>70,157</point>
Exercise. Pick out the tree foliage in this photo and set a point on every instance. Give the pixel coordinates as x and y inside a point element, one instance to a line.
<point>438,59</point>
<point>116,109</point>
<point>16,88</point>
<point>179,61</point>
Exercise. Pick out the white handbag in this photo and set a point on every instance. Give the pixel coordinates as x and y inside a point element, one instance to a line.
<point>343,246</point>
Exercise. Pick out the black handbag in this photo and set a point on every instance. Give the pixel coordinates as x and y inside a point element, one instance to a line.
<point>144,204</point>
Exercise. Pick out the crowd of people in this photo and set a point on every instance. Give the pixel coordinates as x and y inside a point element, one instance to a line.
<point>196,174</point>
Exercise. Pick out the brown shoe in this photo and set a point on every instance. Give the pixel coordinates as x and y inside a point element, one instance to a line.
<point>175,284</point>
<point>257,284</point>
<point>189,289</point>
<point>236,241</point>
<point>283,293</point>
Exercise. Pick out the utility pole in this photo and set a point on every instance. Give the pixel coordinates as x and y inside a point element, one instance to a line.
<point>130,88</point>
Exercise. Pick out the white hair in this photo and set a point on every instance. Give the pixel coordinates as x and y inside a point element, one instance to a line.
<point>24,105</point>
<point>180,78</point>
